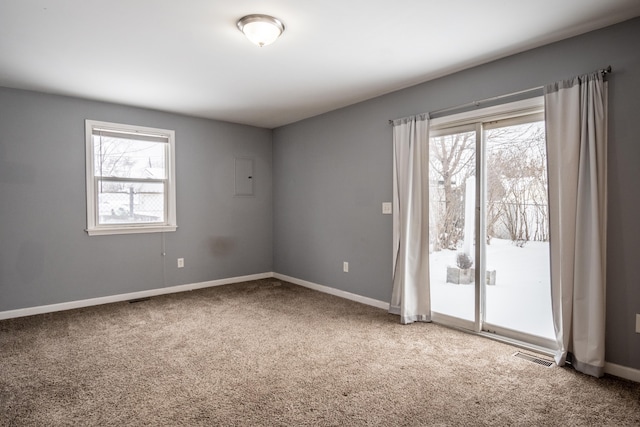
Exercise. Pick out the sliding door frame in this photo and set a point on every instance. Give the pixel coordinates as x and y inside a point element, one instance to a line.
<point>481,232</point>
<point>514,111</point>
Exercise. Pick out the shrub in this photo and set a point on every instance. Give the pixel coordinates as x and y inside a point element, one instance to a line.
<point>463,261</point>
<point>519,242</point>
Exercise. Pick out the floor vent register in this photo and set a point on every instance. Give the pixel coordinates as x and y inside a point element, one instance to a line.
<point>535,359</point>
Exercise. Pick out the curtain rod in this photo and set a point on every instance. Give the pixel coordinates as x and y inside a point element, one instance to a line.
<point>603,71</point>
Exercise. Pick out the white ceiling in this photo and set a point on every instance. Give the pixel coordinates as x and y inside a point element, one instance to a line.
<point>187,56</point>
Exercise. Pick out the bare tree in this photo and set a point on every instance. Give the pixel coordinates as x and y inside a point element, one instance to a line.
<point>452,161</point>
<point>495,194</point>
<point>118,158</point>
<point>517,186</point>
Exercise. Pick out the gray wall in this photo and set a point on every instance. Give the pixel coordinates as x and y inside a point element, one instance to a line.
<point>46,256</point>
<point>332,172</point>
<point>330,175</point>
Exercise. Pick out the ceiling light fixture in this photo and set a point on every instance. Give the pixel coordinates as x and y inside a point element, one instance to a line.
<point>261,29</point>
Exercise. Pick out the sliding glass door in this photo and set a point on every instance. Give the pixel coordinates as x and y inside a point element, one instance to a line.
<point>516,247</point>
<point>488,226</point>
<point>452,198</point>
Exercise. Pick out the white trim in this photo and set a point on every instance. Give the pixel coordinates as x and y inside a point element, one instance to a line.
<point>30,311</point>
<point>625,372</point>
<point>104,231</point>
<point>333,291</point>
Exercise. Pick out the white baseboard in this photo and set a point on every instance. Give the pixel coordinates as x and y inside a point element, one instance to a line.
<point>622,371</point>
<point>30,311</point>
<point>333,291</point>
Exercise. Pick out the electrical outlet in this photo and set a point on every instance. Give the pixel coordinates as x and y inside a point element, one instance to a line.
<point>180,262</point>
<point>387,208</point>
<point>345,267</point>
<point>638,323</point>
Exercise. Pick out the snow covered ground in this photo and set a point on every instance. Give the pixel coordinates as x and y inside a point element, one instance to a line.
<point>521,297</point>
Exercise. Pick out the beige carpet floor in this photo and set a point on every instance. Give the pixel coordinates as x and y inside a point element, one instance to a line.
<point>269,353</point>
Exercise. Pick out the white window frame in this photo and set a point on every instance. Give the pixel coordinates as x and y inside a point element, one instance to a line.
<point>509,110</point>
<point>93,226</point>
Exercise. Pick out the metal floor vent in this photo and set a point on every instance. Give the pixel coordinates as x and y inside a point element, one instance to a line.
<point>534,359</point>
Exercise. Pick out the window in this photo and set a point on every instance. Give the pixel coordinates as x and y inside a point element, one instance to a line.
<point>130,179</point>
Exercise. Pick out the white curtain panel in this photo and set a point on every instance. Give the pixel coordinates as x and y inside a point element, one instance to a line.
<point>576,126</point>
<point>410,298</point>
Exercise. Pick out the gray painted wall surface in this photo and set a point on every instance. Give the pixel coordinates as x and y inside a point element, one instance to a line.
<point>330,175</point>
<point>46,257</point>
<point>332,172</point>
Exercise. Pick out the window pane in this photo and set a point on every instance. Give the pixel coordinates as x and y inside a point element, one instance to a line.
<point>517,245</point>
<point>452,168</point>
<point>128,158</point>
<point>130,202</point>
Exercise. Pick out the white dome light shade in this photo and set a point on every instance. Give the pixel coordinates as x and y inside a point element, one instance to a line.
<point>262,30</point>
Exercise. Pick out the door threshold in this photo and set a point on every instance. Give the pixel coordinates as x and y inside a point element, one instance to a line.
<point>518,343</point>
<point>543,346</point>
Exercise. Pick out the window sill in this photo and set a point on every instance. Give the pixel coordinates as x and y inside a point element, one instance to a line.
<point>131,230</point>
